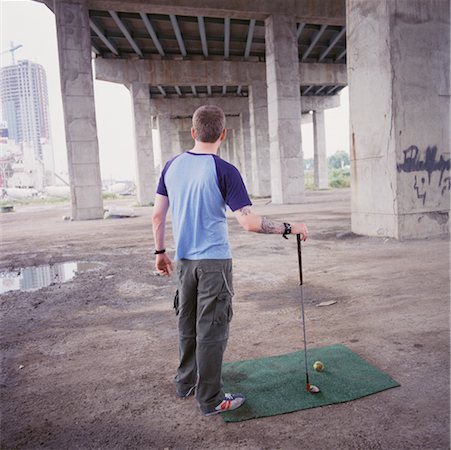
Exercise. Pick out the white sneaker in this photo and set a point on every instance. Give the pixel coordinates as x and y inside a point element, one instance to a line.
<point>230,402</point>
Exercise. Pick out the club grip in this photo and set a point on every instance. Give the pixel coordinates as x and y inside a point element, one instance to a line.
<point>301,279</point>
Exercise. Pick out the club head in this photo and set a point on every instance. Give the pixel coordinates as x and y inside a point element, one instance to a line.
<point>312,389</point>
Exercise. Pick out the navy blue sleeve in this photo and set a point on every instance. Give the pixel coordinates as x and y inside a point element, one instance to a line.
<point>231,185</point>
<point>161,188</point>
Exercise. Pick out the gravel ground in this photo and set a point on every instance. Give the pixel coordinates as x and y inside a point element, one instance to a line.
<point>88,364</point>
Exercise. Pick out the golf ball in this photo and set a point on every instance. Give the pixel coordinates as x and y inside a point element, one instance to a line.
<point>318,366</point>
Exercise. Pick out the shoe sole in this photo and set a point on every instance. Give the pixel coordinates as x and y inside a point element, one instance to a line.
<point>213,413</point>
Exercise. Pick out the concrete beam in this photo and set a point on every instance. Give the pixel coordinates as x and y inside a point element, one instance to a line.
<point>330,12</point>
<point>319,103</point>
<point>232,105</point>
<point>317,74</point>
<point>213,73</point>
<point>185,123</point>
<point>177,107</point>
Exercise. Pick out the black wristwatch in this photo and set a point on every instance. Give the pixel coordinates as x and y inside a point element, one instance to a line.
<point>287,230</point>
<point>159,252</point>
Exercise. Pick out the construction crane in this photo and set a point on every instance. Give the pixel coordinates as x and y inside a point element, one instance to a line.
<point>12,50</point>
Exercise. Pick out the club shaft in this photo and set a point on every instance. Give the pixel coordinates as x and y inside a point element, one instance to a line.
<point>303,328</point>
<point>301,278</point>
<point>301,283</point>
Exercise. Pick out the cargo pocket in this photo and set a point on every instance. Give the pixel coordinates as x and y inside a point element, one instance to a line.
<point>222,308</point>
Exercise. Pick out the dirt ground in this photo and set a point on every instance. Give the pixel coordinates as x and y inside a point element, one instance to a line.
<point>99,352</point>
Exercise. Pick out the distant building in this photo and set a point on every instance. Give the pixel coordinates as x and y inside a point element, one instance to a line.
<point>3,132</point>
<point>25,109</point>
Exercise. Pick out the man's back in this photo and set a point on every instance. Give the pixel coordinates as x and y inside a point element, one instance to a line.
<point>198,187</point>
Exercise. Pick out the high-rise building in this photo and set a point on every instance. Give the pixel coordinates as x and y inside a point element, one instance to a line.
<point>25,107</point>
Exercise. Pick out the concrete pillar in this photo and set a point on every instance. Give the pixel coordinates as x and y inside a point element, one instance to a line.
<point>74,50</point>
<point>233,124</point>
<point>284,110</point>
<point>229,147</point>
<point>181,139</point>
<point>167,147</point>
<point>320,175</point>
<point>176,125</point>
<point>239,151</point>
<point>258,114</point>
<point>224,151</point>
<point>306,118</point>
<point>246,151</point>
<point>399,117</point>
<point>228,150</point>
<point>186,141</point>
<point>221,151</point>
<point>144,157</point>
<point>233,154</point>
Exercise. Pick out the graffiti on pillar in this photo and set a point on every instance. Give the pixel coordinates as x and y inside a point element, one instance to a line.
<point>426,167</point>
<point>446,185</point>
<point>419,188</point>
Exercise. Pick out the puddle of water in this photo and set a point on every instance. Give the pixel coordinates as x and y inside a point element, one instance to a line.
<point>37,277</point>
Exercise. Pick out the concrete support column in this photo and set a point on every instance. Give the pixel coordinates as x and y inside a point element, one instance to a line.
<point>225,150</point>
<point>175,127</point>
<point>320,176</point>
<point>258,114</point>
<point>74,50</point>
<point>306,118</point>
<point>233,154</point>
<point>186,141</point>
<point>144,157</point>
<point>221,150</point>
<point>168,150</point>
<point>246,151</point>
<point>284,110</point>
<point>238,152</point>
<point>400,155</point>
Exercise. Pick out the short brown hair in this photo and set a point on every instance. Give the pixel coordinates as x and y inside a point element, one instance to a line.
<point>208,123</point>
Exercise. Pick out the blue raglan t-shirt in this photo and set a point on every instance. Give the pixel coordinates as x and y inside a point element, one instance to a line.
<point>199,186</point>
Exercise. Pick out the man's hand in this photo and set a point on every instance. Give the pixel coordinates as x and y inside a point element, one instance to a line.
<point>300,228</point>
<point>163,264</point>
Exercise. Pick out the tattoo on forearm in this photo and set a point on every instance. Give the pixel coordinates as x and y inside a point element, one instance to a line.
<point>245,210</point>
<point>271,227</point>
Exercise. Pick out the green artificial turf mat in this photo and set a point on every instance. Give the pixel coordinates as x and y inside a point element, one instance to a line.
<point>276,385</point>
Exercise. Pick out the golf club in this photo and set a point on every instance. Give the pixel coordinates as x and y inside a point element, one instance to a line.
<point>310,387</point>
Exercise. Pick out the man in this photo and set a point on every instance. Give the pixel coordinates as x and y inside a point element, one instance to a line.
<point>197,185</point>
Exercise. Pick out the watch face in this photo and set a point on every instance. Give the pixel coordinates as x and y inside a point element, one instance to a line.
<point>287,228</point>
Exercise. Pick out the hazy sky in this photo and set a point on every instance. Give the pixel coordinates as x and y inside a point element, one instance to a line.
<point>32,24</point>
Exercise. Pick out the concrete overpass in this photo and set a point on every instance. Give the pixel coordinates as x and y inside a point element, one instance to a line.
<point>265,63</point>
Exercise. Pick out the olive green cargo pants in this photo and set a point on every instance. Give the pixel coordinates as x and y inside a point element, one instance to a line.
<point>204,313</point>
